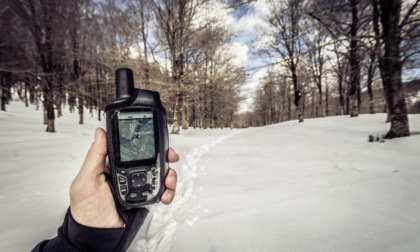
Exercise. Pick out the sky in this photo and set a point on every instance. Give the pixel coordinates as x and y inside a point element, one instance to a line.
<point>248,30</point>
<point>250,36</point>
<point>239,49</point>
<point>312,186</point>
<point>247,38</point>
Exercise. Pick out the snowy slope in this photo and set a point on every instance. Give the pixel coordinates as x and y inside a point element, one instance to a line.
<point>314,186</point>
<point>36,172</point>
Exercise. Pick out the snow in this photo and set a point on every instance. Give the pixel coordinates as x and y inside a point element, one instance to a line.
<point>314,186</point>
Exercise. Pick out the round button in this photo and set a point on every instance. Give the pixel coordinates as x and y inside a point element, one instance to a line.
<point>138,179</point>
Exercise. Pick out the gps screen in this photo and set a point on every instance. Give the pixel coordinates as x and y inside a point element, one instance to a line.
<point>137,138</point>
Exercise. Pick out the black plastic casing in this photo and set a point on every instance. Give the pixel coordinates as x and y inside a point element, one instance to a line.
<point>136,100</point>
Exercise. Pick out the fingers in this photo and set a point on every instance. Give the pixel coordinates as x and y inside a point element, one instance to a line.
<point>94,163</point>
<point>172,156</point>
<point>170,180</point>
<point>170,184</point>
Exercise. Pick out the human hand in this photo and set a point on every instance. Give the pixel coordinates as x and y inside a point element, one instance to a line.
<point>91,201</point>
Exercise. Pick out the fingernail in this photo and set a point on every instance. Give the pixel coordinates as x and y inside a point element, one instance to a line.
<point>169,196</point>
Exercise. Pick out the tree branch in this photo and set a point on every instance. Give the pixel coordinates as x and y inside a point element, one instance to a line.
<point>407,16</point>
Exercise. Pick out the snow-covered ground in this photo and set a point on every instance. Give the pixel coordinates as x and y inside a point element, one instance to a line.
<point>314,186</point>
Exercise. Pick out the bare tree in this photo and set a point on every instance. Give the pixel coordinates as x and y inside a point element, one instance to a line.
<point>44,20</point>
<point>340,68</point>
<point>7,51</point>
<point>345,20</point>
<point>391,64</point>
<point>371,70</point>
<point>273,99</point>
<point>286,25</point>
<point>354,59</point>
<point>79,62</point>
<point>316,41</point>
<point>144,10</point>
<point>174,20</point>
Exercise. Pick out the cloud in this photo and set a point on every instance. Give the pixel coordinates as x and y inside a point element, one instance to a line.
<point>246,105</point>
<point>248,90</point>
<point>215,11</point>
<point>238,52</point>
<point>254,20</point>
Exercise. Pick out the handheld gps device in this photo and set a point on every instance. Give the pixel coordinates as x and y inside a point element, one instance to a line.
<point>137,137</point>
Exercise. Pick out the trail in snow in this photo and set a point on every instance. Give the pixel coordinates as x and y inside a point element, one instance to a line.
<point>159,229</point>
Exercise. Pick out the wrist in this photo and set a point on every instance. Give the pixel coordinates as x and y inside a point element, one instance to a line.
<point>90,217</point>
<point>88,238</point>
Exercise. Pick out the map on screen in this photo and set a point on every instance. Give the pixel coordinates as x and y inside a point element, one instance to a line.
<point>137,141</point>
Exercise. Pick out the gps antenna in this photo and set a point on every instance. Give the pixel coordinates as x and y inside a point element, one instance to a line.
<point>124,83</point>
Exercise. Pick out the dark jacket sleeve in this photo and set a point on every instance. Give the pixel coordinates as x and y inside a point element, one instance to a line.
<point>72,236</point>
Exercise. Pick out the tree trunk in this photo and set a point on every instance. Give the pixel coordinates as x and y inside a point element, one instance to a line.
<point>314,109</point>
<point>320,110</point>
<point>81,114</point>
<point>179,97</point>
<point>340,92</point>
<point>371,72</point>
<point>327,100</point>
<point>392,68</point>
<point>175,123</point>
<point>285,96</point>
<point>297,93</point>
<point>60,95</point>
<point>26,91</point>
<point>81,102</point>
<point>50,119</point>
<point>354,62</point>
<point>49,105</point>
<point>184,120</point>
<point>143,31</point>
<point>379,52</point>
<point>302,106</point>
<point>205,107</point>
<point>289,103</point>
<point>32,89</point>
<point>3,95</point>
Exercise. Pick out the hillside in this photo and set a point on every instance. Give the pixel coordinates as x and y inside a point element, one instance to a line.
<point>315,186</point>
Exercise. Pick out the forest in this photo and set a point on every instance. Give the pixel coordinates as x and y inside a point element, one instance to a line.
<point>318,58</point>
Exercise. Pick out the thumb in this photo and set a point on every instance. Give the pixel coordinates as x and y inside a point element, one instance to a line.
<point>94,163</point>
